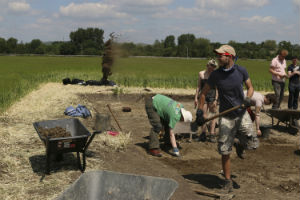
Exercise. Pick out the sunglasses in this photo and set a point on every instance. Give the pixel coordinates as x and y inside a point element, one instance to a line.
<point>223,54</point>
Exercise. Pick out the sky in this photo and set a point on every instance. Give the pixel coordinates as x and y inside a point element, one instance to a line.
<point>144,21</point>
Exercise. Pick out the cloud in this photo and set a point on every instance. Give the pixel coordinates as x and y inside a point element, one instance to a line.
<point>297,3</point>
<point>231,4</point>
<point>260,19</point>
<point>19,7</point>
<point>44,20</point>
<point>140,7</point>
<point>91,11</point>
<point>155,3</point>
<point>191,14</point>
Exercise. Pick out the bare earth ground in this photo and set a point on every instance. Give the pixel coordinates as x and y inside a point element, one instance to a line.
<point>270,172</point>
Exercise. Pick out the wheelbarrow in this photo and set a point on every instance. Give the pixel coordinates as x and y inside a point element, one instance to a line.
<point>287,116</point>
<point>108,185</point>
<point>78,142</point>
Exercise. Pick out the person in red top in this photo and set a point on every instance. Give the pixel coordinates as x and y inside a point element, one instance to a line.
<point>277,69</point>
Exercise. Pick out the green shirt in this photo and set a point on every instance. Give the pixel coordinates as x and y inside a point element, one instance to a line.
<point>167,109</point>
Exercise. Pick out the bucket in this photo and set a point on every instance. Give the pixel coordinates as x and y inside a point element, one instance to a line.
<point>102,122</point>
<point>265,130</point>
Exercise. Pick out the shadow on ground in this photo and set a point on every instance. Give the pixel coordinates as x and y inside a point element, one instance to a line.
<point>67,162</point>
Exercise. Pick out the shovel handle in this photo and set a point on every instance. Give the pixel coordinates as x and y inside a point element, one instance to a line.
<point>223,113</point>
<point>114,117</point>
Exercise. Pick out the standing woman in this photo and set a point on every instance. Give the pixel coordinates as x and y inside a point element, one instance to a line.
<point>210,100</point>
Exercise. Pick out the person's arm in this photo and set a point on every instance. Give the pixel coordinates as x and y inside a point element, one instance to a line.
<point>257,119</point>
<point>279,75</point>
<point>197,89</point>
<point>272,71</point>
<point>172,138</point>
<point>290,73</point>
<point>203,93</point>
<point>249,87</point>
<point>217,96</point>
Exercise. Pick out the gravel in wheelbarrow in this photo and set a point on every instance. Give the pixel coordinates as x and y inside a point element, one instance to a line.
<point>63,136</point>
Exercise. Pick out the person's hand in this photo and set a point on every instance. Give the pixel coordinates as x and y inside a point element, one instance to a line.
<point>258,132</point>
<point>282,76</point>
<point>247,102</point>
<point>199,117</point>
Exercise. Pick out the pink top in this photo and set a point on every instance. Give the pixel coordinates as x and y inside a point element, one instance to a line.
<point>278,66</point>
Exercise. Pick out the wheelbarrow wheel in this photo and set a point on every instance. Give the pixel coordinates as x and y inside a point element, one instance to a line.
<point>293,130</point>
<point>81,166</point>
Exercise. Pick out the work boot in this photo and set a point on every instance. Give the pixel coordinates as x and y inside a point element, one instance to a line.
<point>239,150</point>
<point>227,186</point>
<point>155,152</point>
<point>202,137</point>
<point>175,152</point>
<point>211,138</point>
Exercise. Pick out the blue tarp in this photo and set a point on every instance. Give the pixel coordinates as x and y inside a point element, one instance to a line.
<point>80,111</point>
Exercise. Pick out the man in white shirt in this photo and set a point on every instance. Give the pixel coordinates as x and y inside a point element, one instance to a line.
<point>258,100</point>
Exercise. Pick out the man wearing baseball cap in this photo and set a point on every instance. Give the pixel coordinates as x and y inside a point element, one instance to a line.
<point>164,112</point>
<point>229,79</point>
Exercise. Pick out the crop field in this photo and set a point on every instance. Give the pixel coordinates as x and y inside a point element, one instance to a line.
<point>21,74</point>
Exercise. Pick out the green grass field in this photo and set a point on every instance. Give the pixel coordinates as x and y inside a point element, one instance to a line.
<point>21,74</point>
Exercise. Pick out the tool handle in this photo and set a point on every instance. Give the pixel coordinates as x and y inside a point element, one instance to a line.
<point>114,116</point>
<point>223,113</point>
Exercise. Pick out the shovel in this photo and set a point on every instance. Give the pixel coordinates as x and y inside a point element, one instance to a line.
<point>194,125</point>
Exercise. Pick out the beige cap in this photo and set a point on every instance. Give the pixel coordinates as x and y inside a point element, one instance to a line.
<point>187,115</point>
<point>225,49</point>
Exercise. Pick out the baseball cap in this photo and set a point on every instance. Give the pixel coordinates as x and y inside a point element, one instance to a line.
<point>212,62</point>
<point>187,115</point>
<point>225,49</point>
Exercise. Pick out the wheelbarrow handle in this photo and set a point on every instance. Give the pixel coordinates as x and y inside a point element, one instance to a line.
<point>91,139</point>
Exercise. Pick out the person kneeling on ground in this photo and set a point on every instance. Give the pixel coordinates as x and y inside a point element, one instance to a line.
<point>164,111</point>
<point>258,100</point>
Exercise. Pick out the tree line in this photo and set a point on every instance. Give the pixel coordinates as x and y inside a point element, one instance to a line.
<point>90,41</point>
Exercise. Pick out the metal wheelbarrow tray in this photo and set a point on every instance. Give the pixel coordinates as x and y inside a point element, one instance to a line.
<point>108,185</point>
<point>78,142</point>
<point>286,116</point>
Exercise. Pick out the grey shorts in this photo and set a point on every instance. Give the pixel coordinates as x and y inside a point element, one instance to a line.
<point>239,127</point>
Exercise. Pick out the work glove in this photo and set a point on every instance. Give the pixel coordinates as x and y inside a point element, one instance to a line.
<point>199,117</point>
<point>247,102</point>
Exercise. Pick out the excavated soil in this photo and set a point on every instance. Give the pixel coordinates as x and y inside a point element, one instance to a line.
<point>56,132</point>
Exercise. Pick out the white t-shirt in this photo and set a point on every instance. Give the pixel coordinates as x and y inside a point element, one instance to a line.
<point>257,99</point>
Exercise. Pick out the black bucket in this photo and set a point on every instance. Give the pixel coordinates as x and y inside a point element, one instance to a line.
<point>265,130</point>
